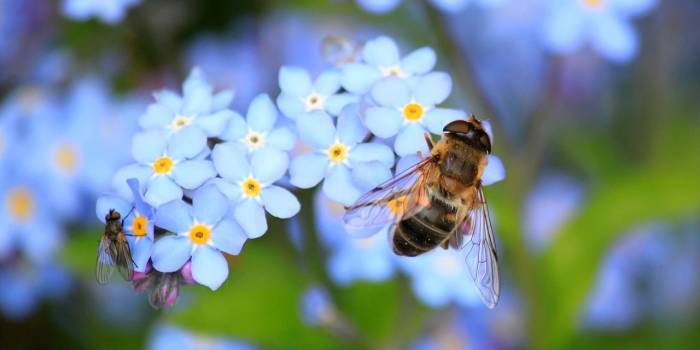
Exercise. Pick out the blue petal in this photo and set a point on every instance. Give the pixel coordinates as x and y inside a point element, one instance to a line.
<point>141,250</point>
<point>262,114</point>
<point>420,61</point>
<point>222,99</point>
<point>230,190</point>
<point>281,138</point>
<point>406,162</point>
<point>383,122</point>
<point>209,205</point>
<point>451,6</point>
<point>161,190</point>
<point>209,267</point>
<point>437,118</point>
<point>633,8</point>
<point>107,202</point>
<point>295,81</point>
<point>229,237</point>
<point>251,216</point>
<point>175,216</point>
<point>391,92</point>
<point>191,174</point>
<point>141,172</point>
<point>339,187</point>
<point>381,52</point>
<point>369,175</point>
<point>307,170</point>
<point>327,82</point>
<point>614,38</point>
<point>187,143</point>
<point>433,88</point>
<point>236,128</point>
<point>156,116</point>
<point>230,162</point>
<point>197,103</point>
<point>170,253</point>
<point>279,202</point>
<point>350,128</point>
<point>564,30</point>
<point>316,129</point>
<point>358,78</point>
<point>290,105</point>
<point>136,191</point>
<point>269,165</point>
<point>378,6</point>
<point>214,124</point>
<point>169,99</point>
<point>410,140</point>
<point>148,146</point>
<point>494,172</point>
<point>366,152</point>
<point>195,82</point>
<point>336,103</point>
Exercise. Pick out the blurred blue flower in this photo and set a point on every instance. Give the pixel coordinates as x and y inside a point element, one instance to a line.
<point>166,337</point>
<point>317,307</point>
<point>300,95</point>
<point>381,59</point>
<point>258,130</point>
<point>198,107</point>
<point>348,165</point>
<point>108,11</point>
<point>165,166</point>
<point>25,284</point>
<point>450,6</point>
<point>250,185</point>
<point>604,24</point>
<point>202,233</point>
<point>351,259</point>
<point>138,219</point>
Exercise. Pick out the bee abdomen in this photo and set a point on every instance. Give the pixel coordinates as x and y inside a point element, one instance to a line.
<point>425,230</point>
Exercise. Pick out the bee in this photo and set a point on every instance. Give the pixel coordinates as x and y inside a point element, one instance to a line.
<point>439,201</point>
<point>114,250</point>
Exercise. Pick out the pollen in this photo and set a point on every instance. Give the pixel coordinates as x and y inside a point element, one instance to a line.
<point>179,122</point>
<point>314,102</point>
<point>254,140</point>
<point>393,71</point>
<point>164,165</point>
<point>413,112</point>
<point>593,4</point>
<point>251,188</point>
<point>19,203</point>
<point>200,234</point>
<point>139,225</point>
<point>66,158</point>
<point>337,153</point>
<point>397,205</point>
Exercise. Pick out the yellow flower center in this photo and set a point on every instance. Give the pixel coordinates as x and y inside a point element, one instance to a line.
<point>251,187</point>
<point>393,71</point>
<point>413,112</point>
<point>314,102</point>
<point>139,225</point>
<point>19,203</point>
<point>163,165</point>
<point>397,205</point>
<point>200,234</point>
<point>337,153</point>
<point>593,4</point>
<point>254,140</point>
<point>66,158</point>
<point>180,122</point>
<point>367,242</point>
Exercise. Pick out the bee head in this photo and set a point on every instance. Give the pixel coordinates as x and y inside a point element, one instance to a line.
<point>112,215</point>
<point>470,131</point>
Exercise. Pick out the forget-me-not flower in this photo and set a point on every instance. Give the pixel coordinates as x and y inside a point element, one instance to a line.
<point>166,167</point>
<point>449,6</point>
<point>249,183</point>
<point>258,130</point>
<point>198,107</point>
<point>108,11</point>
<point>301,95</point>
<point>201,232</point>
<point>381,58</point>
<point>408,108</point>
<point>348,165</point>
<point>604,24</point>
<point>167,337</point>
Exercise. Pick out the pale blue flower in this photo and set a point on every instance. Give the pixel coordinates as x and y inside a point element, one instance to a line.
<point>604,24</point>
<point>24,285</point>
<point>166,167</point>
<point>166,337</point>
<point>250,185</point>
<point>317,308</point>
<point>450,6</point>
<point>201,233</point>
<point>108,11</point>
<point>198,107</point>
<point>408,109</point>
<point>348,165</point>
<point>381,58</point>
<point>259,129</point>
<point>301,95</point>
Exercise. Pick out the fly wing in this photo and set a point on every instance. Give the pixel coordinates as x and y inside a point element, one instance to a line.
<point>475,236</point>
<point>105,262</point>
<point>400,197</point>
<point>125,263</point>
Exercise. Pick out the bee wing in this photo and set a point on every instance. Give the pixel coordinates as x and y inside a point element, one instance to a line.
<point>125,263</point>
<point>475,236</point>
<point>373,210</point>
<point>105,263</point>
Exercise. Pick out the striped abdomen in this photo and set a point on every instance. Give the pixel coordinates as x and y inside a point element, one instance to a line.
<point>426,229</point>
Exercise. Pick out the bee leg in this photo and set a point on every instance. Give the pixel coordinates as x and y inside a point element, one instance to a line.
<point>429,141</point>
